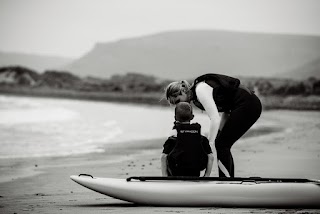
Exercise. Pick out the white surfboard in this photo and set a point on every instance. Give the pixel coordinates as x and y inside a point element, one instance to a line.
<point>212,191</point>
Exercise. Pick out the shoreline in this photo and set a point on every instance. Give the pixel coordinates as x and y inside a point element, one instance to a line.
<point>293,152</point>
<point>109,149</point>
<point>26,167</point>
<point>271,102</point>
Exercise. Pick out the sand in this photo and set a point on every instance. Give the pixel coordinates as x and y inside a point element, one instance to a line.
<point>42,185</point>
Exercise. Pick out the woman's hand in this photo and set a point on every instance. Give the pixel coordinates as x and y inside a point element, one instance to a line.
<point>209,165</point>
<point>164,166</point>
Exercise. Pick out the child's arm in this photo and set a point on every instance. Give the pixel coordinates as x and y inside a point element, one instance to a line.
<point>164,167</point>
<point>209,165</point>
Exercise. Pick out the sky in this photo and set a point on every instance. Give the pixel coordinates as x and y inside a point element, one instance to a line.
<point>71,28</point>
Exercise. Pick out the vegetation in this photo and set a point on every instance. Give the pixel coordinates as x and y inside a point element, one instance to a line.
<point>138,88</point>
<point>285,87</point>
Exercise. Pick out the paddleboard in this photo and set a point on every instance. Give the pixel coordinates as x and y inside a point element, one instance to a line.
<point>207,191</point>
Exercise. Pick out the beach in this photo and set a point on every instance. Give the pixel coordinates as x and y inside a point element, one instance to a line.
<point>286,145</point>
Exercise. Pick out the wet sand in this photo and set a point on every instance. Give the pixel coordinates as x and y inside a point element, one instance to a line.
<point>288,146</point>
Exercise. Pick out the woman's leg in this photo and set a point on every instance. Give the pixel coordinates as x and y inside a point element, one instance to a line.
<point>240,120</point>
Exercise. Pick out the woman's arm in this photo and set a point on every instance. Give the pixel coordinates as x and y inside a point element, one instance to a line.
<point>164,167</point>
<point>204,95</point>
<point>209,165</point>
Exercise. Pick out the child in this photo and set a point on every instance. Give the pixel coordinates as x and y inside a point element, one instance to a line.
<point>187,152</point>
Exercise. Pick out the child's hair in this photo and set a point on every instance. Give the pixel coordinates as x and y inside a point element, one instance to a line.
<point>175,88</point>
<point>183,112</point>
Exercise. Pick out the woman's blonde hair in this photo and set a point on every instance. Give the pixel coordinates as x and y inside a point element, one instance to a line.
<point>174,89</point>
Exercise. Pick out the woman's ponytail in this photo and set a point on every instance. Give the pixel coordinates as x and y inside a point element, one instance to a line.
<point>185,84</point>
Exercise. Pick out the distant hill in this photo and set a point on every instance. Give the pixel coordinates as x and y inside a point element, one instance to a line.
<point>37,62</point>
<point>186,54</point>
<point>309,69</point>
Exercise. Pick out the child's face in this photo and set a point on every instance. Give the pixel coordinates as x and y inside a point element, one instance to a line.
<point>182,97</point>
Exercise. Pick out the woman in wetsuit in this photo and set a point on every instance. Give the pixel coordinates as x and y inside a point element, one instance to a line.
<point>216,93</point>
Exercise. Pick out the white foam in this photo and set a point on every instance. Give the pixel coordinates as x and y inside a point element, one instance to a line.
<point>37,115</point>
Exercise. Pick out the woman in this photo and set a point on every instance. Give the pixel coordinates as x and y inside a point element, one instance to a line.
<point>216,93</point>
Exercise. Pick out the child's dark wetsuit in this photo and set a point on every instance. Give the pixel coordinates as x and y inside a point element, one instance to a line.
<point>244,108</point>
<point>187,153</point>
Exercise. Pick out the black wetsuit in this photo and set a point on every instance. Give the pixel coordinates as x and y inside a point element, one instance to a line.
<point>244,108</point>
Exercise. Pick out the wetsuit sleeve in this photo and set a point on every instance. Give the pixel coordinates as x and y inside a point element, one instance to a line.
<point>205,145</point>
<point>204,95</point>
<point>169,145</point>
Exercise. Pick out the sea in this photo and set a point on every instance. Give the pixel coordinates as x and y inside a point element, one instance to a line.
<point>38,127</point>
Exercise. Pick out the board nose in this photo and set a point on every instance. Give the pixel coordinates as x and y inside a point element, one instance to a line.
<point>73,177</point>
<point>78,177</point>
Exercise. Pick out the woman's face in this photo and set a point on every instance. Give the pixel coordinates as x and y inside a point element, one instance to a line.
<point>183,97</point>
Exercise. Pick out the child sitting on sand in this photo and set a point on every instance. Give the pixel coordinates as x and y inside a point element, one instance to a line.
<point>187,152</point>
